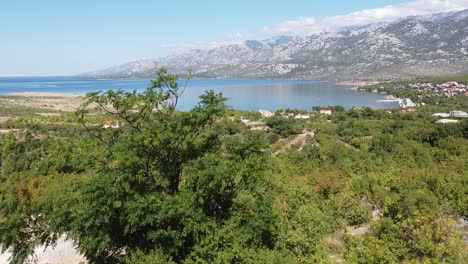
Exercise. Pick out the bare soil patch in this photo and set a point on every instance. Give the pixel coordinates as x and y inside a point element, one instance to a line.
<point>47,101</point>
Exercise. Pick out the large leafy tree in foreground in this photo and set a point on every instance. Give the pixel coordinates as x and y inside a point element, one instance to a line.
<point>136,202</point>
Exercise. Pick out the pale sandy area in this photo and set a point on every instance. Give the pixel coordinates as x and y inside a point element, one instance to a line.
<point>6,131</point>
<point>34,94</point>
<point>63,253</point>
<point>358,83</point>
<point>49,114</point>
<point>50,101</point>
<point>4,119</point>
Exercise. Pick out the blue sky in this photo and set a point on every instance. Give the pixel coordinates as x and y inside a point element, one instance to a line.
<point>56,37</point>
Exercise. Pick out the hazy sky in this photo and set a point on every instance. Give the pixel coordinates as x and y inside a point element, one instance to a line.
<point>57,37</point>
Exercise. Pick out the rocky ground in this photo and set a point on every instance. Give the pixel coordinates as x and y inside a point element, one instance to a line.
<point>62,253</point>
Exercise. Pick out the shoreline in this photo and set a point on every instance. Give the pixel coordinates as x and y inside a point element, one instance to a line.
<point>358,83</point>
<point>45,94</point>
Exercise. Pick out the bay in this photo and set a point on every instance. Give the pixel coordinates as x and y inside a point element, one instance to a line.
<point>249,95</point>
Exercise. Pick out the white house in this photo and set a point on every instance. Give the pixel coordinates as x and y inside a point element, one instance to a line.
<point>447,121</point>
<point>458,114</point>
<point>266,113</point>
<point>299,116</point>
<point>325,112</point>
<point>441,115</point>
<point>407,102</point>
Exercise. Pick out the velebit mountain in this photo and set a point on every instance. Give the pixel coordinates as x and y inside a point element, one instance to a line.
<point>421,46</point>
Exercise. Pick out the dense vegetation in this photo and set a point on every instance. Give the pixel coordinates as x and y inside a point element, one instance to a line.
<point>202,187</point>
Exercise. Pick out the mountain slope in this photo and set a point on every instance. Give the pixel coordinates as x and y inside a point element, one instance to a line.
<point>421,46</point>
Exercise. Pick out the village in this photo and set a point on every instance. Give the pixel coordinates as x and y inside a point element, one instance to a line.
<point>257,125</point>
<point>448,89</point>
<point>453,114</point>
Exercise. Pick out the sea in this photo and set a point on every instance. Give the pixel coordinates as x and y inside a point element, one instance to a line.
<point>251,95</point>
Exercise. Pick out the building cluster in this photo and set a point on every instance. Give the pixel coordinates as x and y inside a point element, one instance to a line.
<point>403,103</point>
<point>445,117</point>
<point>448,89</point>
<point>266,114</point>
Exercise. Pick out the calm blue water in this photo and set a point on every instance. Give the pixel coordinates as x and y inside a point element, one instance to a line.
<point>243,94</point>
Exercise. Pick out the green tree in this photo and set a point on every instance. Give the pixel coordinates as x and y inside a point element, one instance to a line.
<point>279,111</point>
<point>13,158</point>
<point>135,201</point>
<point>284,127</point>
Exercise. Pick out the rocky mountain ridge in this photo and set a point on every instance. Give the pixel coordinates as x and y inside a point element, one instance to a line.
<point>419,46</point>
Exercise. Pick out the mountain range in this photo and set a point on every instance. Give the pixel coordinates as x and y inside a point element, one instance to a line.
<point>418,46</point>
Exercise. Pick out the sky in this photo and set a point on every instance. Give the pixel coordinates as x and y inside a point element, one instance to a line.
<point>56,37</point>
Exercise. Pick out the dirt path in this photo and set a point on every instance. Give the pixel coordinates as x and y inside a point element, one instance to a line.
<point>346,144</point>
<point>298,140</point>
